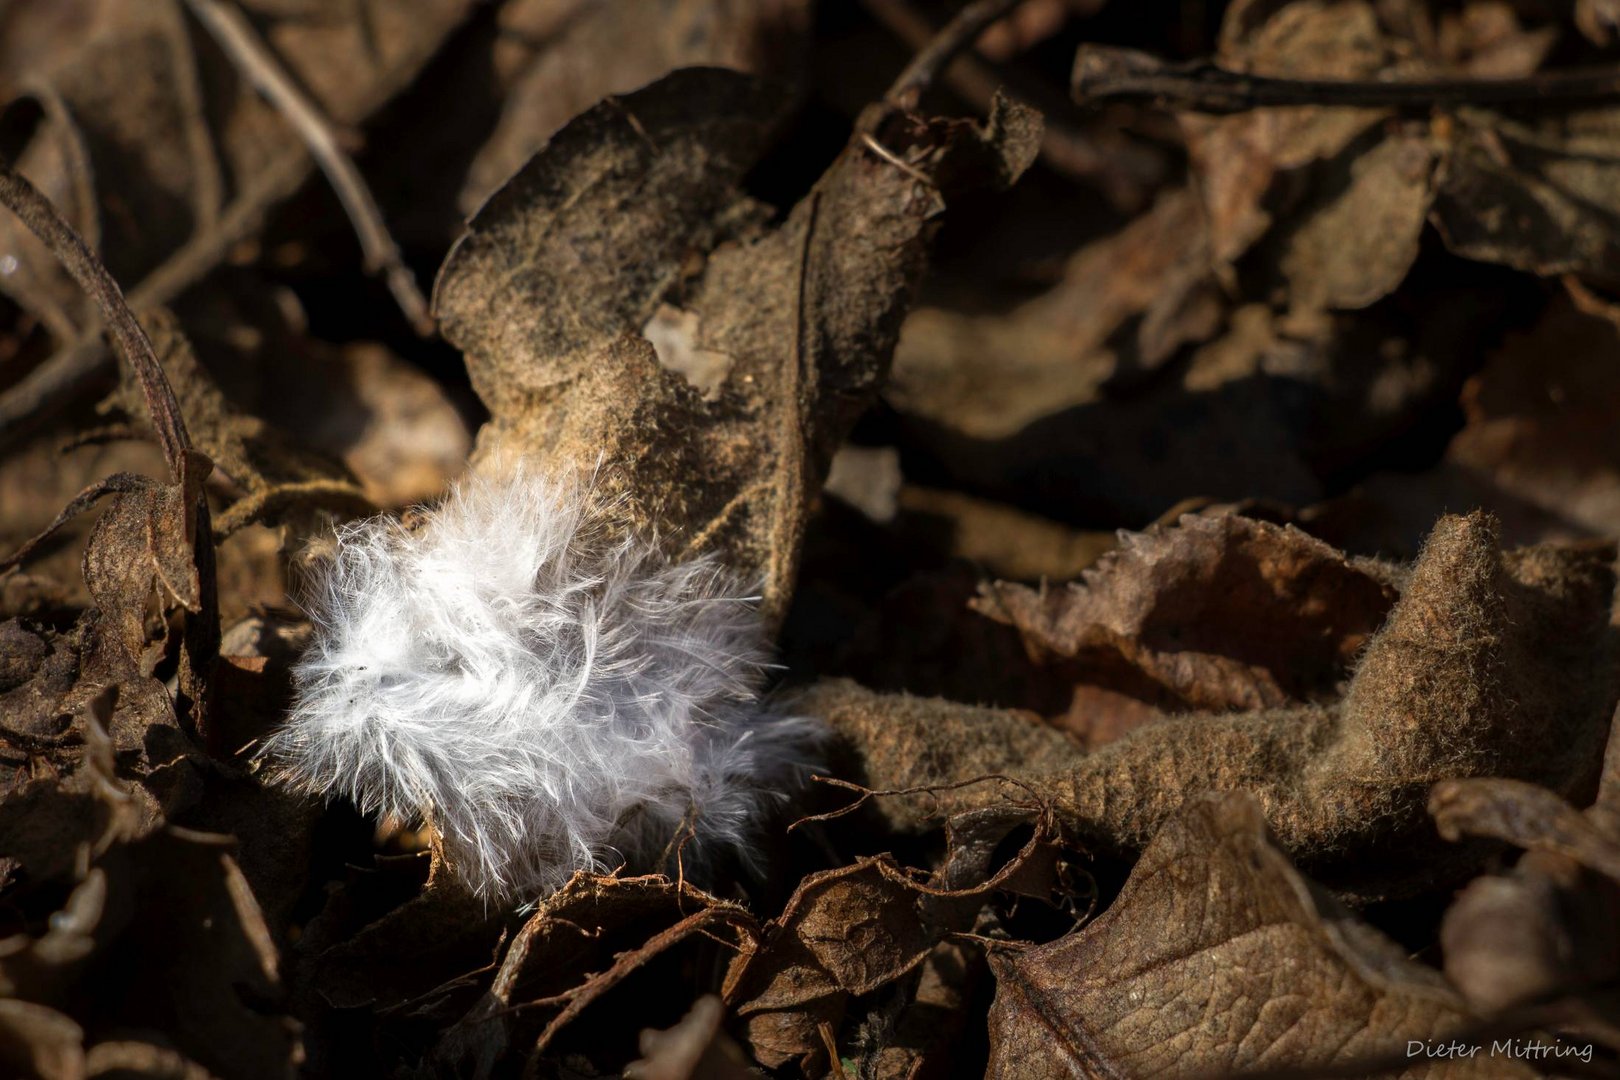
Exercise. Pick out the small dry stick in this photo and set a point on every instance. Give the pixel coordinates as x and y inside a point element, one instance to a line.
<point>235,35</point>
<point>1105,73</point>
<point>958,34</point>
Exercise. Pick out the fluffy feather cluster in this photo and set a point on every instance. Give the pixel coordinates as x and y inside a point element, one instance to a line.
<point>548,696</point>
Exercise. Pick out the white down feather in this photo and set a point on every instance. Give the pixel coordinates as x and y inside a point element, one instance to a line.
<point>546,695</point>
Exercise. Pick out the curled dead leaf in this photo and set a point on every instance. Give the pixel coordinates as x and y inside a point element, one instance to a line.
<point>1288,617</point>
<point>1189,970</point>
<point>1489,665</point>
<point>550,304</point>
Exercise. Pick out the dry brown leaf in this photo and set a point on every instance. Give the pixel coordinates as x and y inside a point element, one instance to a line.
<point>125,1059</point>
<point>1219,958</point>
<point>1537,418</point>
<point>1598,19</point>
<point>581,929</point>
<point>900,742</point>
<point>1005,541</point>
<point>854,930</point>
<point>394,427</point>
<point>163,913</point>
<point>1292,167</point>
<point>632,207</point>
<point>1546,931</point>
<point>560,57</point>
<point>1535,195</point>
<point>37,480</point>
<point>846,931</point>
<point>1489,665</point>
<point>1542,932</point>
<point>1124,303</point>
<point>1218,612</point>
<point>40,1042</point>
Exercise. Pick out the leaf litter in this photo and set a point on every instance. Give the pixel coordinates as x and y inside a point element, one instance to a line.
<point>1190,511</point>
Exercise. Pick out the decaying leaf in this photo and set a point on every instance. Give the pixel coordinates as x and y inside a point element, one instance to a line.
<point>563,56</point>
<point>1543,933</point>
<point>1217,612</point>
<point>1532,450</point>
<point>1125,303</point>
<point>1220,958</point>
<point>161,913</point>
<point>633,206</point>
<point>857,929</point>
<point>1484,658</point>
<point>1335,319</point>
<point>1536,195</point>
<point>1343,192</point>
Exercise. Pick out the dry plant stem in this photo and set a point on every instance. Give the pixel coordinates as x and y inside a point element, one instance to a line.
<point>187,468</point>
<point>43,220</point>
<point>1105,73</point>
<point>235,35</point>
<point>1064,148</point>
<point>574,1001</point>
<point>957,35</point>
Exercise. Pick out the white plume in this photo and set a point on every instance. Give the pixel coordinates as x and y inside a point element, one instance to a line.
<point>551,697</point>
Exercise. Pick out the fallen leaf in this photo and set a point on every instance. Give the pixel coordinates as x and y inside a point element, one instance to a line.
<point>1297,168</point>
<point>280,479</point>
<point>1459,682</point>
<point>1289,617</point>
<point>40,1042</point>
<point>560,57</point>
<point>1536,195</point>
<point>1531,450</point>
<point>1124,303</point>
<point>1544,932</point>
<point>852,931</point>
<point>1218,957</point>
<point>550,306</point>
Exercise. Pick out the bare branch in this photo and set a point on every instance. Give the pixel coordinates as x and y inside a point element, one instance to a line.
<point>1105,73</point>
<point>957,35</point>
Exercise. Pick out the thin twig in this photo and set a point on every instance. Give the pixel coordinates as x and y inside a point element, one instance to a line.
<point>45,222</point>
<point>236,36</point>
<point>1105,73</point>
<point>574,1001</point>
<point>958,34</point>
<point>1123,169</point>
